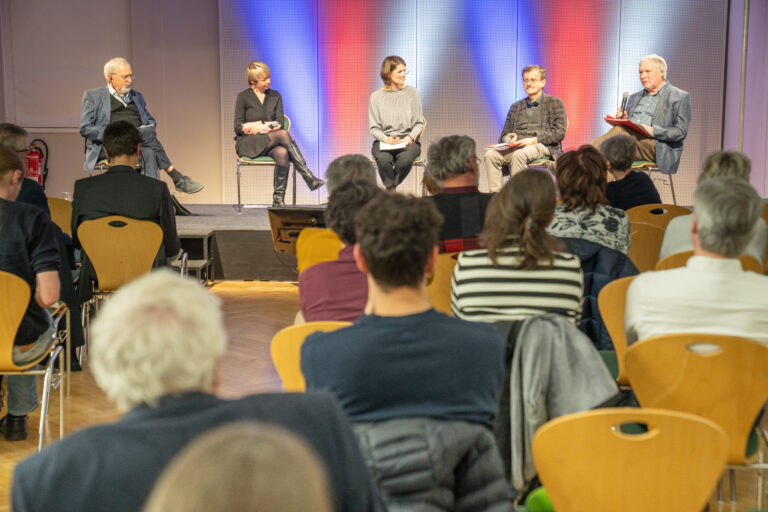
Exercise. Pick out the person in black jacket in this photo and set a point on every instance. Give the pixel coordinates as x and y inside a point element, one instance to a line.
<point>629,188</point>
<point>154,350</point>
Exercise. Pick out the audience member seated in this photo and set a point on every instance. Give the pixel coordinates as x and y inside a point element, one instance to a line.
<point>452,162</point>
<point>29,250</point>
<point>677,236</point>
<point>337,290</point>
<point>584,213</point>
<point>123,191</point>
<point>155,351</point>
<point>711,294</point>
<point>15,138</point>
<point>240,468</point>
<point>421,387</point>
<point>521,272</point>
<point>629,188</point>
<point>315,245</point>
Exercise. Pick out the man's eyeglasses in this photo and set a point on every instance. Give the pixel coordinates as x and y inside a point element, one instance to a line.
<point>531,81</point>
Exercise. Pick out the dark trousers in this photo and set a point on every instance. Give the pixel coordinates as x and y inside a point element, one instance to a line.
<point>394,166</point>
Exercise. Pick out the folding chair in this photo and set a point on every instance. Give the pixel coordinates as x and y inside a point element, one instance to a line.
<point>658,214</point>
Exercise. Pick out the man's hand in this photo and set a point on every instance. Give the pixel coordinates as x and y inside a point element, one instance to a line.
<point>530,141</point>
<point>622,114</point>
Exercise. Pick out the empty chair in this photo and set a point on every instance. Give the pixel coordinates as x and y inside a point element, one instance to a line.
<point>588,463</point>
<point>612,302</point>
<point>748,263</point>
<point>645,246</point>
<point>656,214</point>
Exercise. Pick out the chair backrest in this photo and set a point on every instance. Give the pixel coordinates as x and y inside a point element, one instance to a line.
<point>645,245</point>
<point>439,290</point>
<point>286,123</point>
<point>586,462</point>
<point>748,263</point>
<point>612,302</point>
<point>14,298</point>
<point>657,214</point>
<point>316,245</point>
<point>286,351</point>
<point>61,213</point>
<point>119,248</point>
<point>424,120</point>
<point>727,384</point>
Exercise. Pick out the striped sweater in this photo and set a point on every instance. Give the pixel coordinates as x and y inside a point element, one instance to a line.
<point>482,292</point>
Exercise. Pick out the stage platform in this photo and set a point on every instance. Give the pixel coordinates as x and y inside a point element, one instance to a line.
<point>236,246</point>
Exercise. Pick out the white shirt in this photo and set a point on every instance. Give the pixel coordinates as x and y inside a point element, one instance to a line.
<point>708,295</point>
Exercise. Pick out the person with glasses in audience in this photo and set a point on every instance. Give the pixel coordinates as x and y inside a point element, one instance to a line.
<point>535,128</point>
<point>395,119</point>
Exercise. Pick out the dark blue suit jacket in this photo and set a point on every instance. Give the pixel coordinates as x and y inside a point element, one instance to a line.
<point>95,113</point>
<point>114,467</point>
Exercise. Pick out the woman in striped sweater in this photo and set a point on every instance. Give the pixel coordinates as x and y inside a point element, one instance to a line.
<point>521,272</point>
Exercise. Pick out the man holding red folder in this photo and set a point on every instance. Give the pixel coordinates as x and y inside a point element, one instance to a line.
<point>662,111</point>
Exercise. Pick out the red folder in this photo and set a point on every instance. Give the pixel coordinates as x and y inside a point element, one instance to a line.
<point>626,123</point>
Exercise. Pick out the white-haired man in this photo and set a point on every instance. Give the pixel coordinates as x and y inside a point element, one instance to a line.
<point>711,294</point>
<point>662,110</point>
<point>119,102</point>
<point>155,351</point>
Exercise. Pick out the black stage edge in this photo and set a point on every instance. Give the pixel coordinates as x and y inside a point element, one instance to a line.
<point>240,245</point>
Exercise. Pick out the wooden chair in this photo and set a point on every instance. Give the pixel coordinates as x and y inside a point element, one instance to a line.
<point>645,245</point>
<point>316,245</point>
<point>664,214</point>
<point>286,351</point>
<point>648,167</point>
<point>61,213</point>
<point>612,303</point>
<point>726,383</point>
<point>748,263</point>
<point>588,463</point>
<point>14,298</point>
<point>439,289</point>
<point>263,161</point>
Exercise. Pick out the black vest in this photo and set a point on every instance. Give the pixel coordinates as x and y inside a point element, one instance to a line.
<point>121,112</point>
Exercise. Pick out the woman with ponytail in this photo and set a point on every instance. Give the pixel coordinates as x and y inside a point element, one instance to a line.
<point>521,271</point>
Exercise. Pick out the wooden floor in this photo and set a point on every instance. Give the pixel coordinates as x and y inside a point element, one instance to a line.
<point>254,312</point>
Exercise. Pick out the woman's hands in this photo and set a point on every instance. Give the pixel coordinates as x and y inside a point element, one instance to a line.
<point>258,127</point>
<point>397,140</point>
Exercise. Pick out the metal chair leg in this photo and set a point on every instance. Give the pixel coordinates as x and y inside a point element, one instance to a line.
<point>68,345</point>
<point>720,491</point>
<point>672,187</point>
<point>44,406</point>
<point>732,481</point>
<point>61,394</point>
<point>239,203</point>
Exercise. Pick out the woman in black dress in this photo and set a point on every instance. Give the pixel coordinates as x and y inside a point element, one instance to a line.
<point>259,131</point>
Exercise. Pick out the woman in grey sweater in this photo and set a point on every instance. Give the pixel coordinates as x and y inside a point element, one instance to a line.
<point>394,117</point>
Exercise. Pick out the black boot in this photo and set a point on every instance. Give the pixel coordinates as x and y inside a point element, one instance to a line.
<point>280,182</point>
<point>300,165</point>
<point>14,427</point>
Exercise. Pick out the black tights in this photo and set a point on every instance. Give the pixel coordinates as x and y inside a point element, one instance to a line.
<point>278,140</point>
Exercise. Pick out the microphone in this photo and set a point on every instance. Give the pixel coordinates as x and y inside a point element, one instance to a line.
<point>624,102</point>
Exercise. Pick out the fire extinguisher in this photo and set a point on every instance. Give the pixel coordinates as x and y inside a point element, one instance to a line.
<point>37,161</point>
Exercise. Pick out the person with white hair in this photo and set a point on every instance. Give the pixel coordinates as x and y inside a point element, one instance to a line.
<point>154,350</point>
<point>118,101</point>
<point>662,110</point>
<point>711,294</point>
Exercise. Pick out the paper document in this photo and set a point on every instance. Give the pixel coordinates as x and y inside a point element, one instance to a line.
<point>503,145</point>
<point>391,147</point>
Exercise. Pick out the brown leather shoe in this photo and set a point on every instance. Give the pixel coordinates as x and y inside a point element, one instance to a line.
<point>14,427</point>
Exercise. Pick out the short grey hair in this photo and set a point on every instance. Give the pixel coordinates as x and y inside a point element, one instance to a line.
<point>347,168</point>
<point>450,156</point>
<point>158,334</point>
<point>619,150</point>
<point>658,61</point>
<point>725,164</point>
<point>535,67</point>
<point>726,211</point>
<point>110,68</point>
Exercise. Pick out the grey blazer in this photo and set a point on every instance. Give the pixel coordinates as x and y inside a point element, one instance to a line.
<point>670,125</point>
<point>95,113</point>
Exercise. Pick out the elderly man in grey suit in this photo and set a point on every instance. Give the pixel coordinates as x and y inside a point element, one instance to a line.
<point>119,102</point>
<point>662,110</point>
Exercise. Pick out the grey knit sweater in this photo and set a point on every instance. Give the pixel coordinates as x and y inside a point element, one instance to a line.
<point>395,113</point>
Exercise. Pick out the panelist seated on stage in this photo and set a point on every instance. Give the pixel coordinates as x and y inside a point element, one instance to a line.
<point>534,128</point>
<point>662,110</point>
<point>628,188</point>
<point>123,191</point>
<point>712,294</point>
<point>155,351</point>
<point>337,290</point>
<point>452,161</point>
<point>119,102</point>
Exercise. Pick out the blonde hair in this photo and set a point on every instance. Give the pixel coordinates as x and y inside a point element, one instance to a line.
<point>158,334</point>
<point>243,467</point>
<point>256,70</point>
